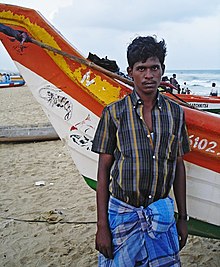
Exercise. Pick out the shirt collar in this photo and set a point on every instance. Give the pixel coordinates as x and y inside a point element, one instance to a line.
<point>136,100</point>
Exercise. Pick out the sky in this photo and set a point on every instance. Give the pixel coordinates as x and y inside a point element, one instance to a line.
<point>191,29</point>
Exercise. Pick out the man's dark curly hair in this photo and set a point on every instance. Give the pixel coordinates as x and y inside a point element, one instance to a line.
<point>143,48</point>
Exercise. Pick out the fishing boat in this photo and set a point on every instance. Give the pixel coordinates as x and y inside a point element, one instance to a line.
<point>73,91</point>
<point>8,80</point>
<point>206,103</point>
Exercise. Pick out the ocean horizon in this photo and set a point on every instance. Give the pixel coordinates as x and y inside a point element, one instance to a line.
<point>198,81</point>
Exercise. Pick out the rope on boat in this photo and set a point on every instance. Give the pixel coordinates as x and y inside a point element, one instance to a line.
<point>98,68</point>
<point>82,61</point>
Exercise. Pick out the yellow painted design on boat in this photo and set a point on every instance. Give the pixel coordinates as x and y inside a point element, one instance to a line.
<point>103,91</point>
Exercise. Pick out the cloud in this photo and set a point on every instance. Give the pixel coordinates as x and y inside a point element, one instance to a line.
<point>190,28</point>
<point>132,14</point>
<point>195,44</point>
<point>106,28</point>
<point>47,8</point>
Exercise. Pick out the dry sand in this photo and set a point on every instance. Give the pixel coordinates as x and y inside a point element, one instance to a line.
<point>64,200</point>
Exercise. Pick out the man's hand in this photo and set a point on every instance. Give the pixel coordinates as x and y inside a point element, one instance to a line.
<point>104,241</point>
<point>182,230</point>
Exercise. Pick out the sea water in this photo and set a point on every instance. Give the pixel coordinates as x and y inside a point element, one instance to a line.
<point>198,81</point>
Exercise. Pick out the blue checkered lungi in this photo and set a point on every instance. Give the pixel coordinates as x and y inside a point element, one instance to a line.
<point>143,236</point>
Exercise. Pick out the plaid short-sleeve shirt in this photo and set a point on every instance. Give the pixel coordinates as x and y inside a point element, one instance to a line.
<point>145,163</point>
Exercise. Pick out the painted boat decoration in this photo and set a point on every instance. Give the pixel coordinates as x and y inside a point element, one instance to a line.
<point>73,93</point>
<point>206,103</point>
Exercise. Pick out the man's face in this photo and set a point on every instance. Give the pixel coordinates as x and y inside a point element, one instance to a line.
<point>146,75</point>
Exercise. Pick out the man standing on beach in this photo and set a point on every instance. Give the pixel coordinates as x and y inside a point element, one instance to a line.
<point>214,91</point>
<point>141,140</point>
<point>173,81</point>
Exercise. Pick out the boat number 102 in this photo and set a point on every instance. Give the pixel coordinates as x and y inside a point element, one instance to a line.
<point>203,144</point>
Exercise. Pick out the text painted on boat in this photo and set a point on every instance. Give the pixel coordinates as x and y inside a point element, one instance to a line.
<point>204,144</point>
<point>200,105</point>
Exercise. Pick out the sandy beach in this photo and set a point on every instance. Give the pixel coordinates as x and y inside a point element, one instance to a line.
<point>54,224</point>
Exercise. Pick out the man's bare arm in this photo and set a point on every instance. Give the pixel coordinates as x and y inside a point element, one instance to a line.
<point>179,187</point>
<point>103,235</point>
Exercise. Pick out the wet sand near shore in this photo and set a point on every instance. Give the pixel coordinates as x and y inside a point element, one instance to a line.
<point>51,229</point>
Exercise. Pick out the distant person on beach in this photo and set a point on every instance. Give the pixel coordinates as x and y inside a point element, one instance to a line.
<point>214,91</point>
<point>188,91</point>
<point>140,140</point>
<point>185,89</point>
<point>178,89</point>
<point>173,81</point>
<point>164,87</point>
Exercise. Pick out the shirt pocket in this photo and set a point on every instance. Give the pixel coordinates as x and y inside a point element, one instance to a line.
<point>168,148</point>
